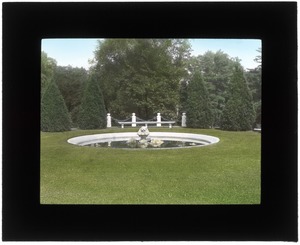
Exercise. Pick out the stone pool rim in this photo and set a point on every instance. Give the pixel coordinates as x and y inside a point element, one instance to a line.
<point>205,140</point>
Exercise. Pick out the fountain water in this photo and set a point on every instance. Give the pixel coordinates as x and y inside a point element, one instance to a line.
<point>144,139</point>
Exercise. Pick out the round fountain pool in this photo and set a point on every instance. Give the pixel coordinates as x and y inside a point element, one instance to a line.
<point>154,140</point>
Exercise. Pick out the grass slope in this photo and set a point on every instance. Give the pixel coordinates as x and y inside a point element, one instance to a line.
<point>225,173</point>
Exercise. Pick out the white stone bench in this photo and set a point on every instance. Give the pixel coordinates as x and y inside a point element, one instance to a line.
<point>145,123</point>
<point>134,121</point>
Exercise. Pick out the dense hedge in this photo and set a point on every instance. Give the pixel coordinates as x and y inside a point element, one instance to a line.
<point>238,114</point>
<point>92,114</point>
<point>54,113</point>
<point>198,109</point>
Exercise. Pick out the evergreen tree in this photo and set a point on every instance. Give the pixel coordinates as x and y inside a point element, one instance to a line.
<point>70,82</point>
<point>54,113</point>
<point>198,109</point>
<point>92,114</point>
<point>238,114</point>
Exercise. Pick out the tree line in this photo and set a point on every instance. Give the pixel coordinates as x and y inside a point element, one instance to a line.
<point>147,76</point>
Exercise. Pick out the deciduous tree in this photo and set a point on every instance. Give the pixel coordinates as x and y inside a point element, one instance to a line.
<point>48,66</point>
<point>217,68</point>
<point>254,82</point>
<point>141,75</point>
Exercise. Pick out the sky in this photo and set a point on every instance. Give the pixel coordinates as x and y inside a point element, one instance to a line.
<point>77,52</point>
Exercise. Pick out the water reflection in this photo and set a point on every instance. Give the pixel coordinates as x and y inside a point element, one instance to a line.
<point>154,143</point>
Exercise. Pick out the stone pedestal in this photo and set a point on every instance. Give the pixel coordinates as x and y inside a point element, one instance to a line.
<point>183,120</point>
<point>158,118</point>
<point>133,120</point>
<point>108,123</point>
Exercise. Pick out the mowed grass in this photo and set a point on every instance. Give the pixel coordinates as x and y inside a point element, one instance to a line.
<point>228,172</point>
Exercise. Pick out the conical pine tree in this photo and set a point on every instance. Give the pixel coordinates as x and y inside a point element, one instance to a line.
<point>54,113</point>
<point>238,114</point>
<point>198,111</point>
<point>92,114</point>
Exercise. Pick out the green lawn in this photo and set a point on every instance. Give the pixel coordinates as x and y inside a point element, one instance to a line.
<point>228,172</point>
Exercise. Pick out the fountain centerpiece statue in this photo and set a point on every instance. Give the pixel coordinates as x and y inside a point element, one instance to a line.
<point>143,132</point>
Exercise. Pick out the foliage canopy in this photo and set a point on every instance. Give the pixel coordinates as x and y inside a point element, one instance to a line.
<point>141,75</point>
<point>147,76</point>
<point>48,66</point>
